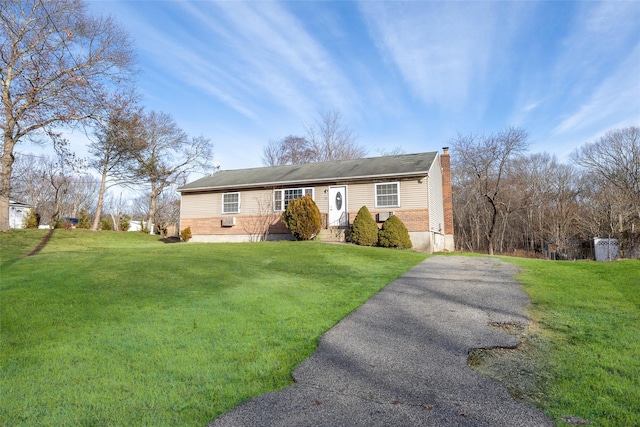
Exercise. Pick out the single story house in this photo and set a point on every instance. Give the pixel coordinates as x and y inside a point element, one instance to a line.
<point>247,204</point>
<point>18,213</point>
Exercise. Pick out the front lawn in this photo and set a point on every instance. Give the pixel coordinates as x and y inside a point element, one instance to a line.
<point>589,314</point>
<point>104,328</point>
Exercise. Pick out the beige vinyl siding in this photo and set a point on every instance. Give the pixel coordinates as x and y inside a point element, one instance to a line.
<point>321,197</point>
<point>255,202</point>
<point>413,195</point>
<point>359,195</point>
<point>436,209</point>
<point>252,202</point>
<point>201,205</point>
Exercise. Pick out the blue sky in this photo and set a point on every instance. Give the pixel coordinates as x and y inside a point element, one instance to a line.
<point>403,74</point>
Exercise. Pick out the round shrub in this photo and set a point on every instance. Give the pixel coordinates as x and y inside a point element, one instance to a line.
<point>105,224</point>
<point>302,218</point>
<point>364,231</point>
<point>394,234</point>
<point>186,234</point>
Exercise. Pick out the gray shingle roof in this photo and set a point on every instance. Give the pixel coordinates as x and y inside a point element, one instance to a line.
<point>315,173</point>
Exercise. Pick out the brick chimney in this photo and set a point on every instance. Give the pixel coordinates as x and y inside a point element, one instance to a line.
<point>445,163</point>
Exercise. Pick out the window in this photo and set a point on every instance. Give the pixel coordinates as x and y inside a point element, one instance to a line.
<point>281,198</point>
<point>388,195</point>
<point>230,203</point>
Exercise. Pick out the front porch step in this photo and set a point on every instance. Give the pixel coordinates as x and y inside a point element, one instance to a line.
<point>333,235</point>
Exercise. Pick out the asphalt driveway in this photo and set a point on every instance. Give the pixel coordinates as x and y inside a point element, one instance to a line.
<point>401,358</point>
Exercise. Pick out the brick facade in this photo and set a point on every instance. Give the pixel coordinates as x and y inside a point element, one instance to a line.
<point>413,219</point>
<point>244,225</point>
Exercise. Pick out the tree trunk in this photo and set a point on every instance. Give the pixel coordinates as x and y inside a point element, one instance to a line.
<point>5,177</point>
<point>152,208</point>
<point>103,184</point>
<point>494,217</point>
<point>505,219</point>
<point>115,219</point>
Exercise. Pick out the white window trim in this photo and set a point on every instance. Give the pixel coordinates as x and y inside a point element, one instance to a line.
<point>281,208</point>
<point>223,204</point>
<point>375,200</point>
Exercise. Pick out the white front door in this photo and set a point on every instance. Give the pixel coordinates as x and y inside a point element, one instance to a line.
<point>338,207</point>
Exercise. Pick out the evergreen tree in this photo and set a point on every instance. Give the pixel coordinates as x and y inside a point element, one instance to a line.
<point>364,230</point>
<point>302,218</point>
<point>394,234</point>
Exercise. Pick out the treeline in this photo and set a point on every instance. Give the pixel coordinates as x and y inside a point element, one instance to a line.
<point>57,192</point>
<point>508,200</point>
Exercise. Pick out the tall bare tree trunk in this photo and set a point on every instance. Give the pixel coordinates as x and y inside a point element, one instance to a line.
<point>494,217</point>
<point>5,177</point>
<point>103,185</point>
<point>153,203</point>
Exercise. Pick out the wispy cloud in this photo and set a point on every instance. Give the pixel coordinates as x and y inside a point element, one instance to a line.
<point>251,57</point>
<point>441,49</point>
<point>599,30</point>
<point>270,50</point>
<point>521,114</point>
<point>599,67</point>
<point>616,97</point>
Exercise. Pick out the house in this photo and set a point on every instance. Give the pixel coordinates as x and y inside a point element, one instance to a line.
<point>18,213</point>
<point>246,204</point>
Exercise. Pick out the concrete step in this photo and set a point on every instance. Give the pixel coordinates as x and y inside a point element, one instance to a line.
<point>333,235</point>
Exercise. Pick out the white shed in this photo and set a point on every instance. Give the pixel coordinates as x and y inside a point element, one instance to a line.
<point>18,213</point>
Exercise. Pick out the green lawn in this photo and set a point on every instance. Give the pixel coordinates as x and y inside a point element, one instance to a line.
<point>121,329</point>
<point>590,314</point>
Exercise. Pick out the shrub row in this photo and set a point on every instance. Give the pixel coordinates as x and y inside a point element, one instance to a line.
<point>302,218</point>
<point>393,234</point>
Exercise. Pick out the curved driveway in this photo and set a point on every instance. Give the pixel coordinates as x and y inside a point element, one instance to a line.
<point>401,358</point>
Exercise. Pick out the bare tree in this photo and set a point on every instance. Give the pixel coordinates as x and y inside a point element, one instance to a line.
<point>537,204</point>
<point>114,206</point>
<point>82,194</point>
<point>290,150</point>
<point>168,211</point>
<point>56,63</point>
<point>328,139</point>
<point>59,179</point>
<point>484,160</point>
<point>395,151</point>
<point>117,142</point>
<point>557,206</point>
<point>167,155</point>
<point>28,182</point>
<point>52,187</point>
<point>612,164</point>
<point>615,158</point>
<point>331,139</point>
